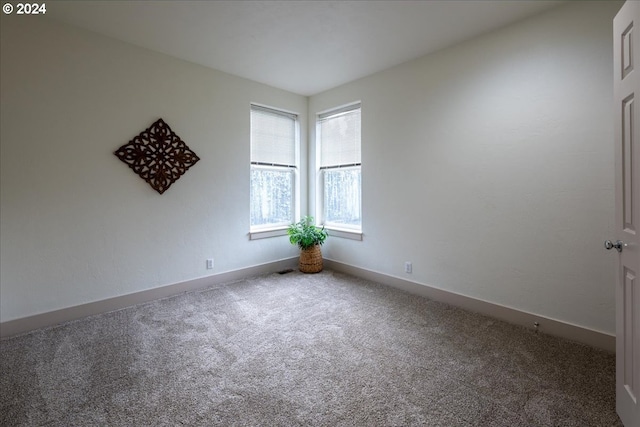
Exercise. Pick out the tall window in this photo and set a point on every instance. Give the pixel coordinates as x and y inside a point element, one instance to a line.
<point>274,167</point>
<point>340,164</point>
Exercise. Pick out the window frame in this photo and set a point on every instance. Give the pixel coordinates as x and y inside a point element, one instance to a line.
<point>339,230</point>
<point>280,229</point>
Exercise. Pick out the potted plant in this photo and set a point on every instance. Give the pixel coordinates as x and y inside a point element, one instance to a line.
<point>308,237</point>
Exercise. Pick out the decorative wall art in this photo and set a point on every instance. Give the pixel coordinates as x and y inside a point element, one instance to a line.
<point>158,156</point>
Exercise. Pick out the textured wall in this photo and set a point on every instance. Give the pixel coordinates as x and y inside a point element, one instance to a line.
<point>77,225</point>
<point>489,165</point>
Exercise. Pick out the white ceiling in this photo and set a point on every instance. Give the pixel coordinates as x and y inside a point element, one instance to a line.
<point>304,47</point>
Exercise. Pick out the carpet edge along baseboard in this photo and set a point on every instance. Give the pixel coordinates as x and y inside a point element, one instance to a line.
<point>535,322</point>
<point>55,317</point>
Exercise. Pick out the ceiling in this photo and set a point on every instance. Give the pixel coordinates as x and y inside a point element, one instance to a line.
<point>304,47</point>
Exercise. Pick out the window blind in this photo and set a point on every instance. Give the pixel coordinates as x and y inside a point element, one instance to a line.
<point>273,136</point>
<point>340,135</point>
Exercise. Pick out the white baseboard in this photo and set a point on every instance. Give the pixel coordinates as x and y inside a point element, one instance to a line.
<point>546,325</point>
<point>29,323</point>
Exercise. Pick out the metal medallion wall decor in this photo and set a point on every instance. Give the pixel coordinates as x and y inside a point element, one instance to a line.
<point>158,156</point>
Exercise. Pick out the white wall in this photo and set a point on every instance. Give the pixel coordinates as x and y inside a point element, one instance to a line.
<point>489,165</point>
<point>76,224</point>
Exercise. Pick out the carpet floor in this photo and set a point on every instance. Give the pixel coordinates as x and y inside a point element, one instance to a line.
<point>301,350</point>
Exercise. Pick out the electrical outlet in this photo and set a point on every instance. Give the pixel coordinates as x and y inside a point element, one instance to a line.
<point>210,264</point>
<point>408,267</point>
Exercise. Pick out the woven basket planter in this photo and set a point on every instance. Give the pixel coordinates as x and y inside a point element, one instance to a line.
<point>311,260</point>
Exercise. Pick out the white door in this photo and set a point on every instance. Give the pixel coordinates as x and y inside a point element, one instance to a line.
<point>626,52</point>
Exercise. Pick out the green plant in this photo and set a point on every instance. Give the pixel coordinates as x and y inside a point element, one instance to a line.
<point>305,234</point>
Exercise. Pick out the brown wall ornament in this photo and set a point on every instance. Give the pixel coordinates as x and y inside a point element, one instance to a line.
<point>158,156</point>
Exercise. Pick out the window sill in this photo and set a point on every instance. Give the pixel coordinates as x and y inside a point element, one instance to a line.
<point>265,234</point>
<point>344,233</point>
<point>333,232</point>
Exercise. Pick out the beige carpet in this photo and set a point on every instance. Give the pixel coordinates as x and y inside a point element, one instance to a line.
<point>301,350</point>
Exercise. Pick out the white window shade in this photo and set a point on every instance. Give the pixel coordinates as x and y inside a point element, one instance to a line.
<point>340,133</point>
<point>272,137</point>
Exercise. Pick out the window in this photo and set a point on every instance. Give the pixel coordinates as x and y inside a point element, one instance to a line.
<point>274,168</point>
<point>340,178</point>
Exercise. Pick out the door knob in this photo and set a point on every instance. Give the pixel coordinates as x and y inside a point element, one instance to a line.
<point>618,244</point>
